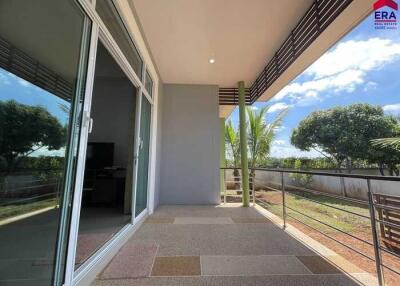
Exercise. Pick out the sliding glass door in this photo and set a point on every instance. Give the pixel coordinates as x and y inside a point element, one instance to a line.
<point>43,56</point>
<point>143,156</point>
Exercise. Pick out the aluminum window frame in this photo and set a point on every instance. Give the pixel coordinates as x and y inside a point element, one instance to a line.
<point>99,32</point>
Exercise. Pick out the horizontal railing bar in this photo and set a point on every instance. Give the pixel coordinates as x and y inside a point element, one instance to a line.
<point>340,209</point>
<point>386,207</point>
<point>389,252</point>
<point>334,239</point>
<point>389,224</point>
<point>328,174</point>
<point>391,269</point>
<point>326,195</point>
<point>34,199</point>
<point>328,225</point>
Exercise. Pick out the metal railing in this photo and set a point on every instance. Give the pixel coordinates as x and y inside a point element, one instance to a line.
<point>237,181</point>
<point>371,204</point>
<point>31,191</point>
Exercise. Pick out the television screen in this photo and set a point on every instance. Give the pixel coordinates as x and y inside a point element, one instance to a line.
<point>99,155</point>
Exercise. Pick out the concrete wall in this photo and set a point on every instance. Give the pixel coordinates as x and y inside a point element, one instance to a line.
<point>190,145</point>
<point>351,188</point>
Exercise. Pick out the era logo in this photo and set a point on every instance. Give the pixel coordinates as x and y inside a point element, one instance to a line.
<point>385,14</point>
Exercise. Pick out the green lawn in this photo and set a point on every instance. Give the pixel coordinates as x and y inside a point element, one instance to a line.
<point>15,210</point>
<point>337,218</point>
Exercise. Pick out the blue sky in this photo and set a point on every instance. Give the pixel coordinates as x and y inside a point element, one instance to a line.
<point>363,67</point>
<point>22,91</point>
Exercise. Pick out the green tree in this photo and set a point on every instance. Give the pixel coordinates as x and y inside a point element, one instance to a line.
<point>25,129</point>
<point>344,133</point>
<point>303,180</point>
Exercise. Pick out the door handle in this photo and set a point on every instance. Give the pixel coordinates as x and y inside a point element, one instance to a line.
<point>90,128</point>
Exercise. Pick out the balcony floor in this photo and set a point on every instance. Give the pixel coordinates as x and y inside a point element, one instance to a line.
<point>216,245</point>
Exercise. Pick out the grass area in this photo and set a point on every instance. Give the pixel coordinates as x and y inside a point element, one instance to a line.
<point>10,211</point>
<point>334,217</point>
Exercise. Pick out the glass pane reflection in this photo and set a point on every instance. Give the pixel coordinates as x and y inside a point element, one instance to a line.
<point>40,50</point>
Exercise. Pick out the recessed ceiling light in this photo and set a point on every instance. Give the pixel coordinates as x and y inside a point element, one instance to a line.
<point>211,61</point>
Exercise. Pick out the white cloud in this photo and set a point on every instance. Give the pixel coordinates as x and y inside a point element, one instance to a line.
<point>46,152</point>
<point>277,107</point>
<point>342,69</point>
<point>308,99</point>
<point>370,86</point>
<point>392,108</point>
<point>365,55</point>
<point>23,82</point>
<point>3,79</point>
<point>279,142</point>
<point>283,149</point>
<point>280,128</point>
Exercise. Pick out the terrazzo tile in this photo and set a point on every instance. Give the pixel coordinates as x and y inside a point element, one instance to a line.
<point>251,265</point>
<point>203,220</point>
<point>176,266</point>
<point>134,260</point>
<point>268,280</point>
<point>159,220</point>
<point>251,220</point>
<point>318,265</point>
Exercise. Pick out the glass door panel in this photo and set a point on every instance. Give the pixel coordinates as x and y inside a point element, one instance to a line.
<point>42,47</point>
<point>143,156</point>
<point>107,185</point>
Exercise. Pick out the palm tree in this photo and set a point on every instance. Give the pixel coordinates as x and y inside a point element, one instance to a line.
<point>261,134</point>
<point>233,145</point>
<point>387,142</point>
<point>393,142</point>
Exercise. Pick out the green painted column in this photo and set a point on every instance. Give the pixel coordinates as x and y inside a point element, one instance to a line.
<point>222,163</point>
<point>243,144</point>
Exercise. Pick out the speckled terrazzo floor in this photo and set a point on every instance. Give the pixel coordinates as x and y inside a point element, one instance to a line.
<point>216,245</point>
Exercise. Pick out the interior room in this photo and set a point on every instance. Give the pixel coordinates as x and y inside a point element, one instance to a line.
<point>107,191</point>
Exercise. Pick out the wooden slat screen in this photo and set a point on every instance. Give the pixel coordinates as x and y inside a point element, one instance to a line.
<point>17,62</point>
<point>317,18</point>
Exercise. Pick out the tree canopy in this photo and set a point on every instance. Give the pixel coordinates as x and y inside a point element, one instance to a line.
<point>25,129</point>
<point>345,133</point>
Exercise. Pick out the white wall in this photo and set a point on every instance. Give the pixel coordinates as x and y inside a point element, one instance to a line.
<point>112,106</point>
<point>157,179</point>
<point>190,145</point>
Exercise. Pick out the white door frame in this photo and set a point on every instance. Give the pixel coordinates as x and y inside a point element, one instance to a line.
<point>100,32</point>
<point>80,169</point>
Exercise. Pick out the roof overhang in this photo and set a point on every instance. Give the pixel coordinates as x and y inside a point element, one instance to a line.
<point>242,37</point>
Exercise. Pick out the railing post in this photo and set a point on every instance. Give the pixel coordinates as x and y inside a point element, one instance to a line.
<point>58,189</point>
<point>243,144</point>
<point>225,186</point>
<point>343,186</point>
<point>375,238</point>
<point>253,187</point>
<point>283,201</point>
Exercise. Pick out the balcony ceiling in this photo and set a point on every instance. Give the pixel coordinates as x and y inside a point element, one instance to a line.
<point>241,35</point>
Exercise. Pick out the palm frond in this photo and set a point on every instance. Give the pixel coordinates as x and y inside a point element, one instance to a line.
<point>387,142</point>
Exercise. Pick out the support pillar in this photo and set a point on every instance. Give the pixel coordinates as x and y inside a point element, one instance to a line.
<point>243,144</point>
